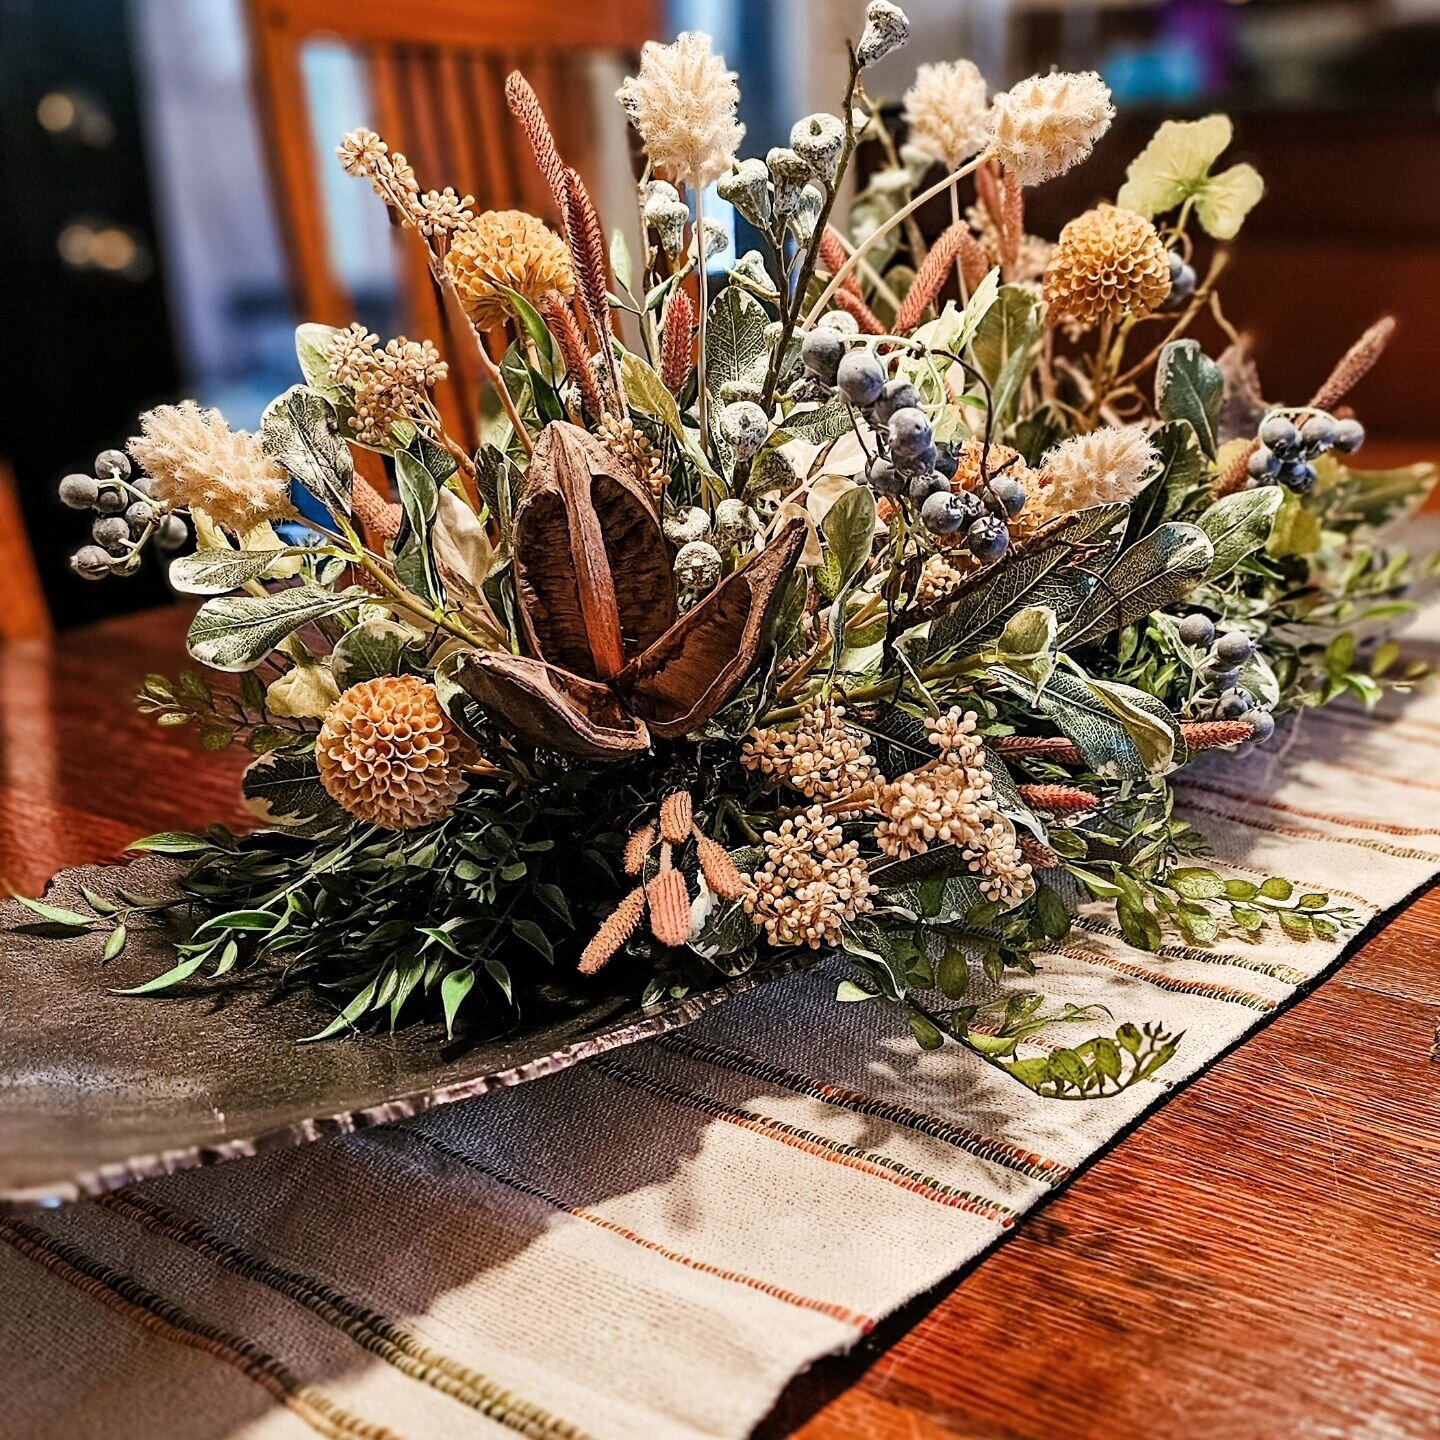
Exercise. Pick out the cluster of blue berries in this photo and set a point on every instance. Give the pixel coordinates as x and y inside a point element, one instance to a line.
<point>126,517</point>
<point>911,465</point>
<point>1221,697</point>
<point>1291,443</point>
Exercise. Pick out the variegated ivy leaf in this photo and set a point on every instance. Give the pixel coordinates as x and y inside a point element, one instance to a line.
<point>849,530</point>
<point>1027,644</point>
<point>236,632</point>
<point>735,348</point>
<point>1175,167</point>
<point>1154,572</point>
<point>298,430</point>
<point>215,572</point>
<point>646,392</point>
<point>1238,525</point>
<point>283,788</point>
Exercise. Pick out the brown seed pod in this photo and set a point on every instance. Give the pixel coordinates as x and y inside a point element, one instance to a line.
<point>639,845</point>
<point>669,907</point>
<point>718,868</point>
<point>677,817</point>
<point>614,932</point>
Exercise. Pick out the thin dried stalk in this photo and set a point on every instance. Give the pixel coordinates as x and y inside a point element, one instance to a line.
<point>1199,735</point>
<point>614,932</point>
<point>526,108</point>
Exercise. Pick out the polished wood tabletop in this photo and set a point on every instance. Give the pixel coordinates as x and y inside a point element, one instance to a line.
<point>1260,1258</point>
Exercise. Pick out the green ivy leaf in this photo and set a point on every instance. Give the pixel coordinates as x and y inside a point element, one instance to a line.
<point>298,430</point>
<point>1190,386</point>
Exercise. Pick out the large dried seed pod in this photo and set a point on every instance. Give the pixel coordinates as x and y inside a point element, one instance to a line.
<point>592,569</point>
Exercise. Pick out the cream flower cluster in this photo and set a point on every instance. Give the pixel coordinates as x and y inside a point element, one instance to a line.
<point>812,881</point>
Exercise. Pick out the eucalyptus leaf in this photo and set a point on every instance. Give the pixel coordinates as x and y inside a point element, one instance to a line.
<point>216,572</point>
<point>1154,572</point>
<point>1238,525</point>
<point>237,632</point>
<point>298,430</point>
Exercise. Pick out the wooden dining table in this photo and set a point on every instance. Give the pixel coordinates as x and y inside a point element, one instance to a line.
<point>1259,1258</point>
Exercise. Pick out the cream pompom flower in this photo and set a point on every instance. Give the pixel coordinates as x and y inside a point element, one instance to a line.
<point>948,112</point>
<point>197,461</point>
<point>1049,123</point>
<point>1106,466</point>
<point>683,104</point>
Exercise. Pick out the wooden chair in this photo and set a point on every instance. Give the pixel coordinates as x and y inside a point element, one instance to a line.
<point>24,614</point>
<point>436,73</point>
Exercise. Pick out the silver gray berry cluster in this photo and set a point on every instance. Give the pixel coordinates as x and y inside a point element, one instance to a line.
<point>128,517</point>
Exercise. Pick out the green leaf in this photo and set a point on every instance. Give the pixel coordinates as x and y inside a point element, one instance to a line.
<point>1175,166</point>
<point>283,787</point>
<point>1152,574</point>
<point>55,914</point>
<point>453,989</point>
<point>1190,386</point>
<point>419,494</point>
<point>1027,644</point>
<point>299,431</point>
<point>349,1015</point>
<point>115,944</point>
<point>620,257</point>
<point>1005,345</point>
<point>953,976</point>
<point>376,648</point>
<point>214,572</point>
<point>735,347</point>
<point>1241,890</point>
<point>534,936</point>
<point>181,970</point>
<point>1296,531</point>
<point>849,531</point>
<point>1046,575</point>
<point>1227,198</point>
<point>1313,901</point>
<point>925,1032</point>
<point>982,300</point>
<point>1196,884</point>
<point>1180,472</point>
<point>1238,525</point>
<point>237,632</point>
<point>1277,888</point>
<point>646,392</point>
<point>172,842</point>
<point>848,992</point>
<point>1138,925</point>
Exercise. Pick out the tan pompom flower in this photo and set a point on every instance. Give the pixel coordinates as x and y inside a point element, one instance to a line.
<point>1109,263</point>
<point>510,248</point>
<point>389,754</point>
<point>197,460</point>
<point>947,111</point>
<point>812,881</point>
<point>1108,465</point>
<point>1049,123</point>
<point>683,104</point>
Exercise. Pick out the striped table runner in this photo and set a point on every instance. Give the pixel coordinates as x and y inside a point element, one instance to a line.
<point>653,1244</point>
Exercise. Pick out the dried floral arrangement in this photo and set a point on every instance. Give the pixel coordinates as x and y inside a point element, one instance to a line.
<point>864,601</point>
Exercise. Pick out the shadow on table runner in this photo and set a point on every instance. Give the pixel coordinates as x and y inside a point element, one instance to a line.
<point>654,1243</point>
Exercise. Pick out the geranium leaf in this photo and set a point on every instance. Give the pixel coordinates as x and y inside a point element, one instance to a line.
<point>1174,164</point>
<point>1224,201</point>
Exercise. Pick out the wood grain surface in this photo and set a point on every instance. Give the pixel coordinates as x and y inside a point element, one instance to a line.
<point>1260,1258</point>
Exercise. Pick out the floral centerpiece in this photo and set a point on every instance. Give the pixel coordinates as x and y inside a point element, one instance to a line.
<point>867,602</point>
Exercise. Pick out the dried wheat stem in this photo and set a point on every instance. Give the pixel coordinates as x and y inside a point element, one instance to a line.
<point>377,516</point>
<point>955,245</point>
<point>834,254</point>
<point>1058,799</point>
<point>1038,855</point>
<point>592,277</point>
<point>572,346</point>
<point>677,342</point>
<point>1199,735</point>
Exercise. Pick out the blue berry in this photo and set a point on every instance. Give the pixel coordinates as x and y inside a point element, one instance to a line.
<point>90,562</point>
<point>898,394</point>
<point>79,492</point>
<point>1197,630</point>
<point>921,462</point>
<point>941,514</point>
<point>171,534</point>
<point>138,516</point>
<point>987,539</point>
<point>1232,705</point>
<point>1233,648</point>
<point>910,433</point>
<point>1005,495</point>
<point>1182,282</point>
<point>1222,678</point>
<point>1349,436</point>
<point>1317,434</point>
<point>1262,726</point>
<point>821,352</point>
<point>927,484</point>
<point>860,378</point>
<point>1280,435</point>
<point>1299,475</point>
<point>1263,464</point>
<point>947,460</point>
<point>883,477</point>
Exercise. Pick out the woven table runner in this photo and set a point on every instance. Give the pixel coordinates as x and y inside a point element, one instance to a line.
<point>654,1243</point>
